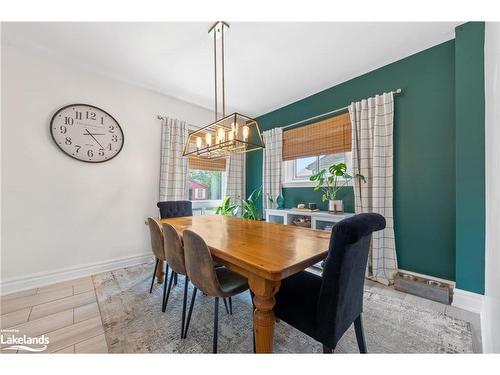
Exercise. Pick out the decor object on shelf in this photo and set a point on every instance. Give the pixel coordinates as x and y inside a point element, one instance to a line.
<point>279,200</point>
<point>86,133</point>
<point>331,185</point>
<point>234,133</point>
<point>301,206</point>
<point>304,209</point>
<point>312,206</point>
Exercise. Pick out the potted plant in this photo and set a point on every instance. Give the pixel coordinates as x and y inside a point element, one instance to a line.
<point>331,180</point>
<point>248,207</point>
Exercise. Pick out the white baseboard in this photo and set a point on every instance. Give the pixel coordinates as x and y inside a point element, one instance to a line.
<point>38,280</point>
<point>468,301</point>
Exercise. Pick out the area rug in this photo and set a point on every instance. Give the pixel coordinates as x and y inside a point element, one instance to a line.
<point>134,323</point>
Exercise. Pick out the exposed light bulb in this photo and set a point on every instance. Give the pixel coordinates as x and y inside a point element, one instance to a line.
<point>198,142</point>
<point>221,135</point>
<point>230,135</point>
<point>208,139</point>
<point>246,132</point>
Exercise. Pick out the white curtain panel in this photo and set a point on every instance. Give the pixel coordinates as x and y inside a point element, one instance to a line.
<point>272,164</point>
<point>173,166</point>
<point>372,156</point>
<point>235,176</point>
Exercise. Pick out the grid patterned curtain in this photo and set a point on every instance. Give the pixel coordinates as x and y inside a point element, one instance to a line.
<point>235,176</point>
<point>272,164</point>
<point>372,156</point>
<point>173,166</point>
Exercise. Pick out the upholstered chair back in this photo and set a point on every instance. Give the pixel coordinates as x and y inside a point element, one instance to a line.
<point>341,294</point>
<point>175,209</point>
<point>156,237</point>
<point>174,251</point>
<point>200,265</point>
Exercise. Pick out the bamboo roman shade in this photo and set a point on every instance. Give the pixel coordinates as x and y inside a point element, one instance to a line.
<point>328,136</point>
<point>207,164</point>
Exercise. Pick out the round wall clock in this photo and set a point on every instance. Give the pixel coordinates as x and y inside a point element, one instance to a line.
<point>86,133</point>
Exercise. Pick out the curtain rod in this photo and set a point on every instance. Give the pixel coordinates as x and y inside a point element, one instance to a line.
<point>395,92</point>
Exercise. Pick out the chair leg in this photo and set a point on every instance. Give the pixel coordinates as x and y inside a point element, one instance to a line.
<point>360,335</point>
<point>190,311</point>
<point>225,305</point>
<point>175,280</point>
<point>327,349</point>
<point>216,324</point>
<point>186,283</point>
<point>165,300</point>
<point>230,306</point>
<point>154,275</point>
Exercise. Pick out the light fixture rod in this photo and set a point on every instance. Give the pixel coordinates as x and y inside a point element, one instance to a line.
<point>223,88</point>
<point>215,71</point>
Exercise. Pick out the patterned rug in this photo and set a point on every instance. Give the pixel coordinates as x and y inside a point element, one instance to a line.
<point>134,323</point>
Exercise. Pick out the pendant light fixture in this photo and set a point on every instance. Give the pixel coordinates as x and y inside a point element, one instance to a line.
<point>234,133</point>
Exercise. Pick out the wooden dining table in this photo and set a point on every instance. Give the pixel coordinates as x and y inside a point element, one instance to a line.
<point>265,253</point>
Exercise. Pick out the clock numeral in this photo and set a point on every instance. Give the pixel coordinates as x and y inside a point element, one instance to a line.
<point>63,129</point>
<point>90,153</point>
<point>78,148</point>
<point>114,138</point>
<point>102,120</point>
<point>68,120</point>
<point>90,115</point>
<point>68,140</point>
<point>109,147</point>
<point>78,115</point>
<point>111,129</point>
<point>101,152</point>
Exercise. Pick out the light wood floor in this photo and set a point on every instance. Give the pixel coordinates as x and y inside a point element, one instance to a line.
<point>67,313</point>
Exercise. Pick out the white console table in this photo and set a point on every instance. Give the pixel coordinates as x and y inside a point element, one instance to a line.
<point>319,219</point>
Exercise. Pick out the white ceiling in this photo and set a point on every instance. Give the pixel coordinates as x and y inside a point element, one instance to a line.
<point>268,65</point>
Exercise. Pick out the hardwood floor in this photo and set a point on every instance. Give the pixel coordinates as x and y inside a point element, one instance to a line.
<point>67,313</point>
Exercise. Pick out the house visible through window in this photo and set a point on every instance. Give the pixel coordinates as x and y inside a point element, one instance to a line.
<point>204,185</point>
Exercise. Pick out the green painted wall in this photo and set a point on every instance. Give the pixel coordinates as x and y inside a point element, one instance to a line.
<point>470,174</point>
<point>424,153</point>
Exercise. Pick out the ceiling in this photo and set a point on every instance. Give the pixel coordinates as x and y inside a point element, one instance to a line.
<point>268,65</point>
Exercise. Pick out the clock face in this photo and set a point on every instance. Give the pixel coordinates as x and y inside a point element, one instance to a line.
<point>86,133</point>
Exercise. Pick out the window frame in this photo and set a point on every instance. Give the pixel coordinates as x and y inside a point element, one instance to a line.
<point>290,180</point>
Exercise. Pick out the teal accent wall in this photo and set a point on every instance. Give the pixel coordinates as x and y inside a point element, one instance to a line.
<point>424,153</point>
<point>470,172</point>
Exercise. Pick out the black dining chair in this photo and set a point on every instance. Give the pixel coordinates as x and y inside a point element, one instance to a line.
<point>175,209</point>
<point>218,282</point>
<point>324,307</point>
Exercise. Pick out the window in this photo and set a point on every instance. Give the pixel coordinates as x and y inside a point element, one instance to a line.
<point>204,185</point>
<point>296,172</point>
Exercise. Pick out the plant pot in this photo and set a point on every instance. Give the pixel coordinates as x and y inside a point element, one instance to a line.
<point>335,206</point>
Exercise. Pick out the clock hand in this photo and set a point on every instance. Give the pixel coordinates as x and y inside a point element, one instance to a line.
<point>95,139</point>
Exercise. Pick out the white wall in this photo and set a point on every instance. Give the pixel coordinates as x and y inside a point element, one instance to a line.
<point>491,313</point>
<point>57,212</point>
